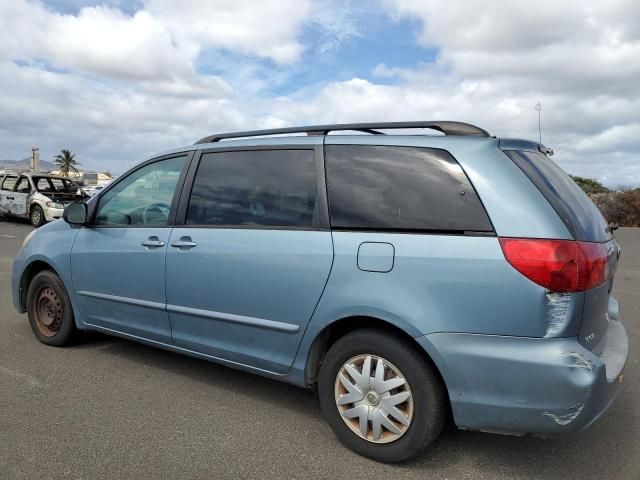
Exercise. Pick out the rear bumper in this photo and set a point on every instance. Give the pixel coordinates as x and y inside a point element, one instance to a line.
<point>523,385</point>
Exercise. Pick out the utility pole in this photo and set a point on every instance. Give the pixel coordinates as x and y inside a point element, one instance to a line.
<point>35,160</point>
<point>539,110</point>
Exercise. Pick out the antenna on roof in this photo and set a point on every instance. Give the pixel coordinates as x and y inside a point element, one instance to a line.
<point>538,108</point>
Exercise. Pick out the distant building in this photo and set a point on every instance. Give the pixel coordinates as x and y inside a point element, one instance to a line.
<point>87,178</point>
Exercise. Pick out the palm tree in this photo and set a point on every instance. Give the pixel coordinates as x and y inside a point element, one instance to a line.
<point>66,162</point>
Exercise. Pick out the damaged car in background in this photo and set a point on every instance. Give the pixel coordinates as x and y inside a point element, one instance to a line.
<point>38,197</point>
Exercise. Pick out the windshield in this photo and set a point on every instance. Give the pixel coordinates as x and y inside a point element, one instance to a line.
<point>582,218</point>
<point>55,185</point>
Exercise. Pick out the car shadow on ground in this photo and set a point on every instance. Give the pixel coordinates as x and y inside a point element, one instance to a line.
<point>515,456</point>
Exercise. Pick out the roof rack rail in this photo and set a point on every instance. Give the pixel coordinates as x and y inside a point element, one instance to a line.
<point>446,127</point>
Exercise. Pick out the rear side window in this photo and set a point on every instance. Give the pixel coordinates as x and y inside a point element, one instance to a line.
<point>255,188</point>
<point>401,188</point>
<point>8,183</point>
<point>582,218</point>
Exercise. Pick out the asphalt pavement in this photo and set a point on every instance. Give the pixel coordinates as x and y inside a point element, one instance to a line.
<point>110,408</point>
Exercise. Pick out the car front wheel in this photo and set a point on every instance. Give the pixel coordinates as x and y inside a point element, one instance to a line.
<point>37,216</point>
<point>380,396</point>
<point>49,310</point>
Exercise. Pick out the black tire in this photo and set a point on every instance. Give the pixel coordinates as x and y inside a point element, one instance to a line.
<point>37,216</point>
<point>46,294</point>
<point>429,397</point>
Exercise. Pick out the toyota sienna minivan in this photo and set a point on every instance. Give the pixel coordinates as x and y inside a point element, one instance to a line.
<point>406,278</point>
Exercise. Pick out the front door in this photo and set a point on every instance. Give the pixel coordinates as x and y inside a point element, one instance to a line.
<point>6,194</point>
<point>118,262</point>
<point>246,270</point>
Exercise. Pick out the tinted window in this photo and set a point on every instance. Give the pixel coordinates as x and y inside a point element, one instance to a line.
<point>582,218</point>
<point>264,188</point>
<point>143,197</point>
<point>400,188</point>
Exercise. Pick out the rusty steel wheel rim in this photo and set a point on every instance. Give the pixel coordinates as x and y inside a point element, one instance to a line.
<point>48,312</point>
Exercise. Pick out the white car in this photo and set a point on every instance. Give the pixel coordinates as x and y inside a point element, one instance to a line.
<point>40,198</point>
<point>93,189</point>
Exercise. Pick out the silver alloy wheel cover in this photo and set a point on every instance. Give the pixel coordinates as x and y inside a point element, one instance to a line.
<point>377,408</point>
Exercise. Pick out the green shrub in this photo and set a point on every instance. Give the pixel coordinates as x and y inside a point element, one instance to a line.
<point>590,185</point>
<point>617,206</point>
<point>622,208</point>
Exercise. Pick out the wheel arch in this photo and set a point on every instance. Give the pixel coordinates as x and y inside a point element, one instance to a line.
<point>29,272</point>
<point>33,204</point>
<point>340,327</point>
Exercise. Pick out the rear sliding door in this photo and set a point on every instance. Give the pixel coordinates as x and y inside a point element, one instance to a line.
<point>246,270</point>
<point>21,192</point>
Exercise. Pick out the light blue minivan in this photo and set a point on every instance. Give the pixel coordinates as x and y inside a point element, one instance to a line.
<point>407,278</point>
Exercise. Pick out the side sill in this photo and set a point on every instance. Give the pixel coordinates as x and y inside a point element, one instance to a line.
<point>191,353</point>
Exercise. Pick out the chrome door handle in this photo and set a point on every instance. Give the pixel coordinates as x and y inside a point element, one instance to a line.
<point>152,242</point>
<point>184,242</point>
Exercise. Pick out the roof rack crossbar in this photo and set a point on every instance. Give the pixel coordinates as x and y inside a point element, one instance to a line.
<point>446,127</point>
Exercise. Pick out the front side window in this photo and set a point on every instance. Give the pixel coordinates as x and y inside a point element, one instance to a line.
<point>255,188</point>
<point>401,188</point>
<point>43,185</point>
<point>22,186</point>
<point>54,185</point>
<point>142,198</point>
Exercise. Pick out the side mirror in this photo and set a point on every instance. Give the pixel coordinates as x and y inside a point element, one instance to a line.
<point>75,213</point>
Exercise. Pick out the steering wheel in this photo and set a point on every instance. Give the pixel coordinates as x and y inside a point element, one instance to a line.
<point>155,214</point>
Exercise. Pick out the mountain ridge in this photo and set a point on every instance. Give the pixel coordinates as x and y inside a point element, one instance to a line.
<point>22,165</point>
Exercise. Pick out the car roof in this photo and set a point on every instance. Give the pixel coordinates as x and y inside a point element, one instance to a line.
<point>46,175</point>
<point>452,134</point>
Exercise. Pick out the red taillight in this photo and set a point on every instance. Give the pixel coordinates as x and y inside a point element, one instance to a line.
<point>559,265</point>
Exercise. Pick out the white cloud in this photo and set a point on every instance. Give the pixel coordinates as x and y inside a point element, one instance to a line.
<point>581,59</point>
<point>625,137</point>
<point>161,41</point>
<point>114,86</point>
<point>266,28</point>
<point>109,126</point>
<point>99,40</point>
<point>495,61</point>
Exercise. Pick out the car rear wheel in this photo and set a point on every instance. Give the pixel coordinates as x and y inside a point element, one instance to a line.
<point>37,216</point>
<point>49,310</point>
<point>380,396</point>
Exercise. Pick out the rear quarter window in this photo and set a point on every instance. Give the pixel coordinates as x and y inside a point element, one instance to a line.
<point>581,217</point>
<point>401,188</point>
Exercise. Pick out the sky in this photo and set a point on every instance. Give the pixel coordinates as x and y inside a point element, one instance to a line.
<point>119,80</point>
